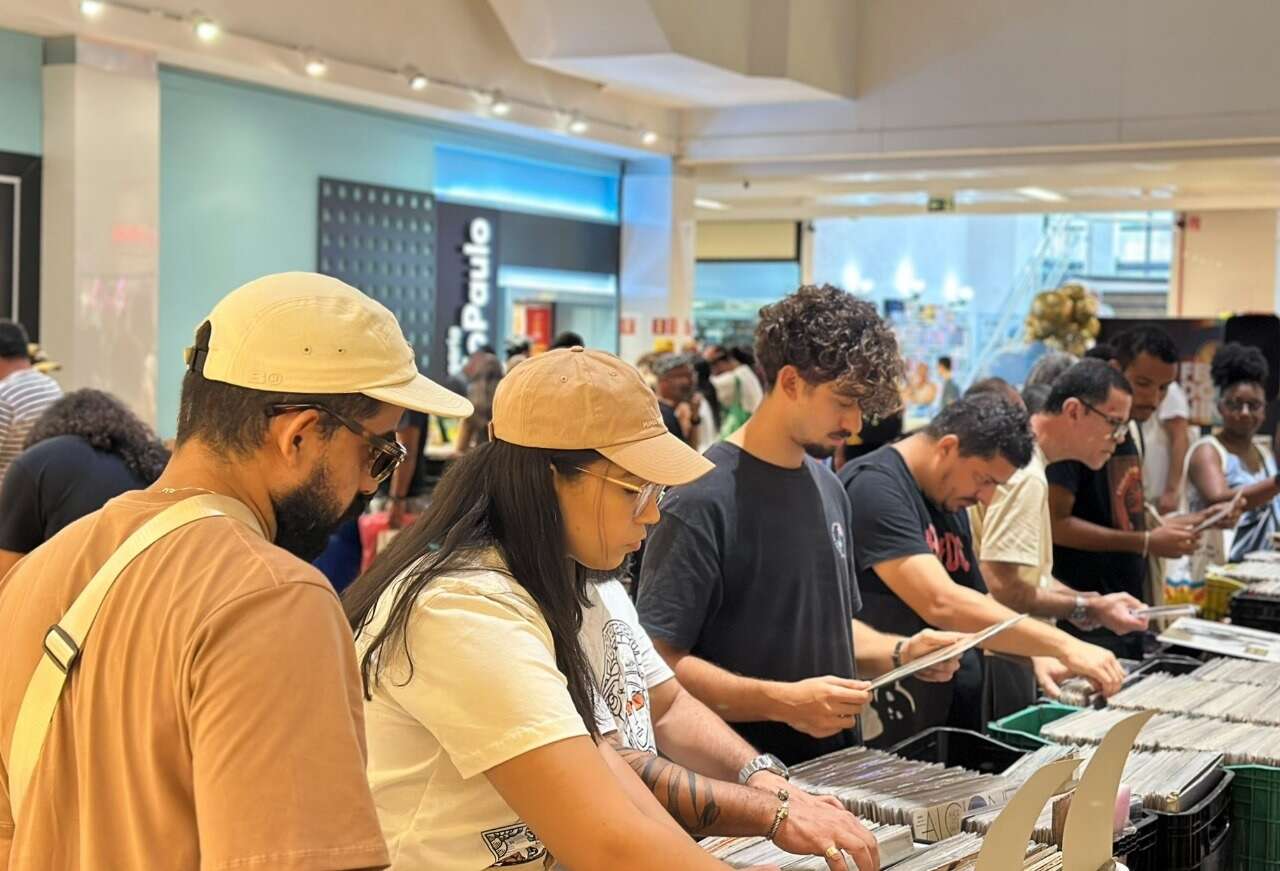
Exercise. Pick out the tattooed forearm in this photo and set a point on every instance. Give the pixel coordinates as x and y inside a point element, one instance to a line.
<point>688,797</point>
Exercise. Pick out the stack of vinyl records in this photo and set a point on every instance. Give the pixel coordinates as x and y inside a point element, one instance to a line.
<point>1189,694</point>
<point>1238,743</point>
<point>1249,572</point>
<point>1245,671</point>
<point>930,798</point>
<point>894,841</point>
<point>1164,780</point>
<point>960,853</point>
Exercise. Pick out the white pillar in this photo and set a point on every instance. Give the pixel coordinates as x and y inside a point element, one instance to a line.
<point>658,236</point>
<point>101,212</point>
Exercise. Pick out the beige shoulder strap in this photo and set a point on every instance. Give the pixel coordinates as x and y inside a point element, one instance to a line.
<point>65,639</point>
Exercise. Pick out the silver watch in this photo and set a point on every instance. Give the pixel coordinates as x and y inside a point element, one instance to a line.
<point>1080,614</point>
<point>763,762</point>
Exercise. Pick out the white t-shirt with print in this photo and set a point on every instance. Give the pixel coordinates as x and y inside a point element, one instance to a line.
<point>623,660</point>
<point>484,689</point>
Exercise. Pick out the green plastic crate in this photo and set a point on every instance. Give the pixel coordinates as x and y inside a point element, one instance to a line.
<point>1022,730</point>
<point>1255,817</point>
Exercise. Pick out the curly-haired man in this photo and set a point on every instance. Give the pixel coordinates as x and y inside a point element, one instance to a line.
<point>748,586</point>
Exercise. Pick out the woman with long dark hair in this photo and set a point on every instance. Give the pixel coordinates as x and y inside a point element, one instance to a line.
<point>1232,462</point>
<point>481,718</point>
<point>86,448</point>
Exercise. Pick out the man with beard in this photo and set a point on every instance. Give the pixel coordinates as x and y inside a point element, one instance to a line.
<point>213,715</point>
<point>1101,539</point>
<point>748,586</point>
<point>915,558</point>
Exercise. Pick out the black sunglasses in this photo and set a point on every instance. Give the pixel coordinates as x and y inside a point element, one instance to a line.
<point>384,455</point>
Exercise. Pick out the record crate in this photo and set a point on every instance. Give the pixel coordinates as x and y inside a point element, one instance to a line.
<point>1255,817</point>
<point>1022,730</point>
<point>1256,612</point>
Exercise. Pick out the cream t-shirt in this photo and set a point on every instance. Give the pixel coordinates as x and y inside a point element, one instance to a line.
<point>1016,527</point>
<point>484,689</point>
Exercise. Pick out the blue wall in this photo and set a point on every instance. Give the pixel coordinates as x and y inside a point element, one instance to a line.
<point>21,122</point>
<point>238,172</point>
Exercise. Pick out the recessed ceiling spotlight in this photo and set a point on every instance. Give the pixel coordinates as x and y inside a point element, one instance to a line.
<point>207,30</point>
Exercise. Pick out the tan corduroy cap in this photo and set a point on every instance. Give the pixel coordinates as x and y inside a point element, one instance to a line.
<point>300,332</point>
<point>572,399</point>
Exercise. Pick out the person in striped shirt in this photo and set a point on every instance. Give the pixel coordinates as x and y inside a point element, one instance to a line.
<point>24,392</point>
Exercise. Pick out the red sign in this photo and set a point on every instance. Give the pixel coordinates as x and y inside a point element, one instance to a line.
<point>626,326</point>
<point>665,326</point>
<point>537,323</point>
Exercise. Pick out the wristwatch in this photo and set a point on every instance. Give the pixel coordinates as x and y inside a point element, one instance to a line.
<point>763,762</point>
<point>1080,614</point>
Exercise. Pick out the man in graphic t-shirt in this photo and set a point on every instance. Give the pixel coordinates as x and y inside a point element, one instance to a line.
<point>1100,536</point>
<point>916,566</point>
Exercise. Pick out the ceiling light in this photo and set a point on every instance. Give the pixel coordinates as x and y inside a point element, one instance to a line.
<point>714,205</point>
<point>92,8</point>
<point>577,126</point>
<point>417,81</point>
<point>207,30</point>
<point>315,66</point>
<point>648,137</point>
<point>1043,195</point>
<point>498,104</point>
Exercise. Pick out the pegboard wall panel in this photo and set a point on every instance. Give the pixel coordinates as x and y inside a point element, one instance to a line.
<point>382,240</point>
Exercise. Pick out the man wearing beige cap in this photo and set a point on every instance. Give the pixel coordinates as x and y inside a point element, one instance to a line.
<point>212,717</point>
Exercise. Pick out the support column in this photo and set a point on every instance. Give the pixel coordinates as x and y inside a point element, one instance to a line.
<point>99,242</point>
<point>657,281</point>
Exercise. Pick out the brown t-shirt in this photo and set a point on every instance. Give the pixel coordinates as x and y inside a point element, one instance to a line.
<point>214,719</point>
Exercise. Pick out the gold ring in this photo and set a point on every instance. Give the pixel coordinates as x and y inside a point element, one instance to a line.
<point>833,852</point>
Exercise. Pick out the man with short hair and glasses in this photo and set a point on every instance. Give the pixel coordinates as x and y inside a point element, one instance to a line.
<point>1101,538</point>
<point>217,694</point>
<point>1084,418</point>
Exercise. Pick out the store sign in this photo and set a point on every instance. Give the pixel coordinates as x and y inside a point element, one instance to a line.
<point>467,291</point>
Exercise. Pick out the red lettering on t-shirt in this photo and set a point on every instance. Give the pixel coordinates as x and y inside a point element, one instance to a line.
<point>949,549</point>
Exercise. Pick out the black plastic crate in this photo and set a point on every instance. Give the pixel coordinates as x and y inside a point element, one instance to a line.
<point>1169,663</point>
<point>1217,859</point>
<point>1188,838</point>
<point>960,748</point>
<point>1256,612</point>
<point>1138,849</point>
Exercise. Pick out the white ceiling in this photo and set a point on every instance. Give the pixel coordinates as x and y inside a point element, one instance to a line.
<point>1187,182</point>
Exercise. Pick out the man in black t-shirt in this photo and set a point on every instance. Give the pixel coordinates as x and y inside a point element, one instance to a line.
<point>914,553</point>
<point>748,584</point>
<point>1101,540</point>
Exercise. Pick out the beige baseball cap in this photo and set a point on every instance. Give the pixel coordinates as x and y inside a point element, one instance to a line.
<point>573,399</point>
<point>301,332</point>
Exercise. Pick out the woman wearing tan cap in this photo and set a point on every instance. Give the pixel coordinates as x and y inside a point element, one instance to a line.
<point>481,717</point>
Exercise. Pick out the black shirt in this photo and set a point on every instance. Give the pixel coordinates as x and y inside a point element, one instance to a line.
<point>892,519</point>
<point>53,483</point>
<point>750,568</point>
<point>1110,497</point>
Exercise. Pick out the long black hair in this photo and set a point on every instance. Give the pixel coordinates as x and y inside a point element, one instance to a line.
<point>500,496</point>
<point>108,425</point>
